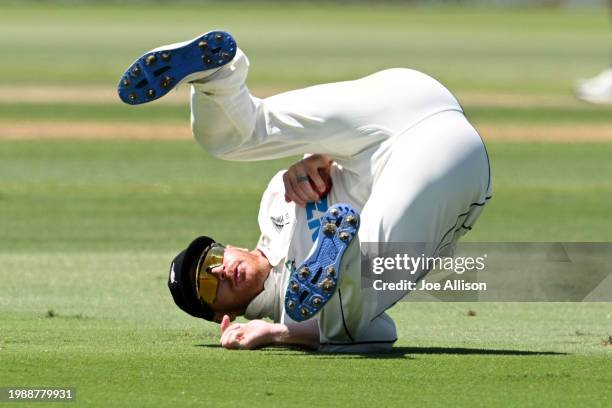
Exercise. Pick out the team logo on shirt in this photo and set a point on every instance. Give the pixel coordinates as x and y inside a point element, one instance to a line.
<point>280,221</point>
<point>314,212</point>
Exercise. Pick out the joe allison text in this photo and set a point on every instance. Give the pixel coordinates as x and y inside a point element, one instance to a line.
<point>449,285</point>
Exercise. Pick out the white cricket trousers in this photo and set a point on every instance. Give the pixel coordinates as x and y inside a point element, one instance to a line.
<point>409,157</point>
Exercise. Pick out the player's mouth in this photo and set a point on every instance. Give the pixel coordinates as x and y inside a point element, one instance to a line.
<point>236,277</point>
<point>240,276</point>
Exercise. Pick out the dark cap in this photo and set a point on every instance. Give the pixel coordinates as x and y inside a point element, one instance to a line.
<point>181,279</point>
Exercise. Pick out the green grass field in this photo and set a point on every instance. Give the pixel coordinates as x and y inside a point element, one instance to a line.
<point>88,227</point>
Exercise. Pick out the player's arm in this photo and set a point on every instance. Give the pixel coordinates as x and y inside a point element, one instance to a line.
<point>259,333</point>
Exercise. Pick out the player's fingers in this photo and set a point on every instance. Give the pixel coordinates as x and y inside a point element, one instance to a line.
<point>289,194</point>
<point>292,185</point>
<point>307,191</point>
<point>234,328</point>
<point>302,198</point>
<point>316,178</point>
<point>311,169</point>
<point>232,340</point>
<point>225,323</point>
<point>298,174</point>
<point>303,187</point>
<point>301,183</point>
<point>286,180</point>
<point>295,195</point>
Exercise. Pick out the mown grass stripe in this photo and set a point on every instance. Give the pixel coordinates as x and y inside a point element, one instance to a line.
<point>179,113</point>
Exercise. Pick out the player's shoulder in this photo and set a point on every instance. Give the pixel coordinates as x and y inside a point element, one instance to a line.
<point>276,183</point>
<point>275,191</point>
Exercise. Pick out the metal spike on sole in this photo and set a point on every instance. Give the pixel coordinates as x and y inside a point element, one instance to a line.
<point>166,82</point>
<point>328,285</point>
<point>329,228</point>
<point>165,56</point>
<point>331,271</point>
<point>151,59</point>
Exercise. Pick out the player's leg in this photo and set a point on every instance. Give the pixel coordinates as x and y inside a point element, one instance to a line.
<point>430,191</point>
<point>341,119</point>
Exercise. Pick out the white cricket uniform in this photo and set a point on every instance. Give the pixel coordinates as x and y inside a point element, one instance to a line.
<point>405,157</point>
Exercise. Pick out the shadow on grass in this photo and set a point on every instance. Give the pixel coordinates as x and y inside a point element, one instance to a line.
<point>398,352</point>
<point>476,351</point>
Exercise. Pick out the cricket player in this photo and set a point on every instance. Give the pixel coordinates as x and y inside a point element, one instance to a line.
<point>387,158</point>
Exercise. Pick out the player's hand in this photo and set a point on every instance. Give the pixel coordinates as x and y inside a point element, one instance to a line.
<point>308,180</point>
<point>251,335</point>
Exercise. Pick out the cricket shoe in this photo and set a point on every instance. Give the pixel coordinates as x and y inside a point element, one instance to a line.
<point>314,282</point>
<point>160,70</point>
<point>597,89</point>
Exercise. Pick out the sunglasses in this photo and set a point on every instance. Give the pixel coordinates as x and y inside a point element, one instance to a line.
<point>207,284</point>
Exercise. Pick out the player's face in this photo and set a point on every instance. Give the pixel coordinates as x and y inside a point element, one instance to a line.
<point>241,278</point>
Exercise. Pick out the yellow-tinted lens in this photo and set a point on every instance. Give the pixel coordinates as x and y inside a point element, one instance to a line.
<point>207,287</point>
<point>206,283</point>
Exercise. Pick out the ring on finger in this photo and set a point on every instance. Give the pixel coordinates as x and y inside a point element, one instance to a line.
<point>302,178</point>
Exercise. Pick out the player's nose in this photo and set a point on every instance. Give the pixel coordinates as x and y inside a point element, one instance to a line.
<point>218,272</point>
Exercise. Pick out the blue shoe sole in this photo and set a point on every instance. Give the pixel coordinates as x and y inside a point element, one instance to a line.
<point>314,282</point>
<point>156,73</point>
